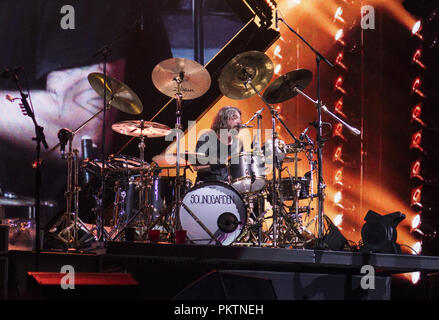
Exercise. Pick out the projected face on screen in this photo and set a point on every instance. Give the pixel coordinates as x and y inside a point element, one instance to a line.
<point>68,102</point>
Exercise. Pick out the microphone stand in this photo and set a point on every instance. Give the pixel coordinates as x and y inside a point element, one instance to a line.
<point>39,138</point>
<point>320,141</point>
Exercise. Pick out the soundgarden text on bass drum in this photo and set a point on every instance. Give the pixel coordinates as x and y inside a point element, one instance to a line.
<point>213,213</point>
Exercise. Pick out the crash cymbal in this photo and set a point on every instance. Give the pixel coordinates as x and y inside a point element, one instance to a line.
<point>195,78</point>
<point>119,95</point>
<point>282,88</point>
<point>255,65</point>
<point>134,128</point>
<point>12,200</point>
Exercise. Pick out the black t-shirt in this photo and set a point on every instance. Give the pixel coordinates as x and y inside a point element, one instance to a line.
<point>218,155</point>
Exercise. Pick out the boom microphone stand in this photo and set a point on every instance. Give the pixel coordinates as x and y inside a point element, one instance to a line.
<point>320,141</point>
<point>39,138</point>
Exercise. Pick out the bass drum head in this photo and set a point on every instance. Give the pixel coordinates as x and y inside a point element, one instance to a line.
<point>219,207</point>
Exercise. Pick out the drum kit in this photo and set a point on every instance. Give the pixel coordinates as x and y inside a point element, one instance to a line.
<point>249,209</point>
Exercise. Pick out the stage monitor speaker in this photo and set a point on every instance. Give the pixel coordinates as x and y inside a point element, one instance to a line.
<point>86,286</point>
<point>221,285</point>
<point>333,239</point>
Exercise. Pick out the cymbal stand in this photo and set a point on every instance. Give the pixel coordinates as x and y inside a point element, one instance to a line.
<point>70,219</point>
<point>274,117</point>
<point>179,97</point>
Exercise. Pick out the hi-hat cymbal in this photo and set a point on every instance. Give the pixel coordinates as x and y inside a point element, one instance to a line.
<point>119,95</point>
<point>169,160</point>
<point>195,79</point>
<point>253,65</point>
<point>134,128</point>
<point>282,88</point>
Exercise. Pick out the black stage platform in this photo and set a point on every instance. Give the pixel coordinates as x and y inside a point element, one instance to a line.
<point>175,271</point>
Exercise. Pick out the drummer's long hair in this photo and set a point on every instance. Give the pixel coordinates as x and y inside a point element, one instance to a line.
<point>220,121</point>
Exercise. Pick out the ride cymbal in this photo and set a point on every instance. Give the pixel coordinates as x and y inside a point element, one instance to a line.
<point>119,95</point>
<point>195,79</point>
<point>254,66</point>
<point>282,88</point>
<point>140,128</point>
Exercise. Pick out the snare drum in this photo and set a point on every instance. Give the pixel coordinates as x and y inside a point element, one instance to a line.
<point>213,213</point>
<point>240,172</point>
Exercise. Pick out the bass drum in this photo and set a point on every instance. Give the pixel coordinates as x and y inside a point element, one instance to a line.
<point>213,213</point>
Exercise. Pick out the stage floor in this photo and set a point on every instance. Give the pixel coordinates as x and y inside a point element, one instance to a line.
<point>170,268</point>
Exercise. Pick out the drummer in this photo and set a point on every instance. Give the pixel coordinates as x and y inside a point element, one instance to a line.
<point>219,144</point>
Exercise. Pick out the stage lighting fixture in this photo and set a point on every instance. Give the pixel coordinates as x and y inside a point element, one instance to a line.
<point>416,28</point>
<point>337,15</point>
<point>339,107</point>
<point>339,85</point>
<point>339,61</point>
<point>416,115</point>
<point>416,58</point>
<point>379,232</point>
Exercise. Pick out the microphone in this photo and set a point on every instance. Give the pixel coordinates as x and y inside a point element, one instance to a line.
<point>244,126</point>
<point>6,73</point>
<point>276,19</point>
<point>303,134</point>
<point>257,114</point>
<point>141,21</point>
<point>63,136</point>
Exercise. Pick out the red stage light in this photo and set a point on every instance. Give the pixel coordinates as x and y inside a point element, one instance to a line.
<point>337,15</point>
<point>416,141</point>
<point>415,87</point>
<point>339,36</point>
<point>339,107</point>
<point>339,61</point>
<point>416,197</point>
<point>416,28</point>
<point>338,131</point>
<point>416,170</point>
<point>338,177</point>
<point>417,57</point>
<point>337,155</point>
<point>416,113</point>
<point>339,85</point>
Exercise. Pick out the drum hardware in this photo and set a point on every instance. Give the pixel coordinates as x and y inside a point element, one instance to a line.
<point>140,129</point>
<point>122,98</point>
<point>253,228</point>
<point>182,79</point>
<point>245,75</point>
<point>70,221</point>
